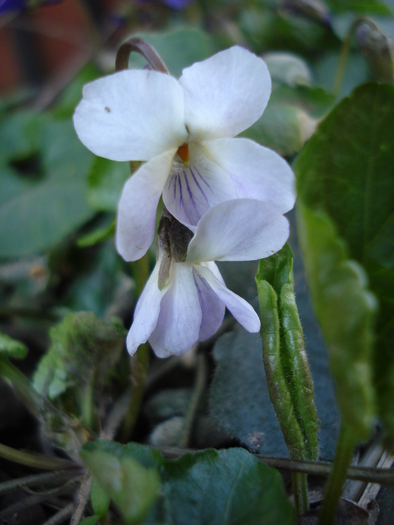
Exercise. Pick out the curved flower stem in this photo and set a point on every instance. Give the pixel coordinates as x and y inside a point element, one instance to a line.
<point>143,48</point>
<point>300,491</point>
<point>343,57</point>
<point>139,363</point>
<point>343,455</point>
<point>33,460</point>
<point>199,386</point>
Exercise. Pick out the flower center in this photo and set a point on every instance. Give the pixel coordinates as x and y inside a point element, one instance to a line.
<point>183,152</point>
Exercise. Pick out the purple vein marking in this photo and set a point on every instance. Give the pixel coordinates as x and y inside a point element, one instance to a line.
<point>202,178</point>
<point>199,187</point>
<point>190,192</point>
<point>180,191</point>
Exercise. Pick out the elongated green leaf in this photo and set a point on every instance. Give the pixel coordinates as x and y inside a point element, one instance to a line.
<point>11,348</point>
<point>217,487</point>
<point>346,189</point>
<point>345,310</point>
<point>286,364</point>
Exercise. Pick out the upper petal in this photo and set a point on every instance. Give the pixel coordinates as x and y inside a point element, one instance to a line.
<point>192,191</point>
<point>241,310</point>
<point>137,207</point>
<point>256,172</point>
<point>225,94</point>
<point>131,115</point>
<point>179,322</point>
<point>146,312</point>
<point>238,230</point>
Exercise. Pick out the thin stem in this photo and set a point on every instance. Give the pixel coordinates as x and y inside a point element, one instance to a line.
<point>60,516</point>
<point>33,460</point>
<point>139,364</point>
<point>343,456</point>
<point>343,57</point>
<point>37,480</point>
<point>199,386</point>
<point>382,476</point>
<point>82,499</point>
<point>300,491</point>
<point>143,48</point>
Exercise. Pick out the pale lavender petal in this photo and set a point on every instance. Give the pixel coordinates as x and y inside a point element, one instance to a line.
<point>238,230</point>
<point>241,310</point>
<point>225,94</point>
<point>131,115</point>
<point>138,205</point>
<point>211,306</point>
<point>146,312</point>
<point>190,192</point>
<point>179,322</point>
<point>257,172</point>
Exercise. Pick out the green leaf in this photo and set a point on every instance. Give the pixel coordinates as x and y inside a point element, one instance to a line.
<point>83,353</point>
<point>133,487</point>
<point>97,236</point>
<point>11,348</point>
<point>106,180</point>
<point>372,7</point>
<point>179,48</point>
<point>90,520</point>
<point>41,208</point>
<point>225,487</point>
<point>99,499</point>
<point>285,360</point>
<point>218,487</point>
<point>345,187</point>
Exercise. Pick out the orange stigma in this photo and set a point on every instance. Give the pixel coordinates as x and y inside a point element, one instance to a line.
<point>183,152</point>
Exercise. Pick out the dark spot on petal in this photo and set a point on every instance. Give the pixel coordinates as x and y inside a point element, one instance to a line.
<point>107,109</point>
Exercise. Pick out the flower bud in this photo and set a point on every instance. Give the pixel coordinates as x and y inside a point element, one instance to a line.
<point>377,49</point>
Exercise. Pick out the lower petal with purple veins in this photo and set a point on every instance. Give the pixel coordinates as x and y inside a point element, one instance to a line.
<point>191,191</point>
<point>212,308</point>
<point>179,322</point>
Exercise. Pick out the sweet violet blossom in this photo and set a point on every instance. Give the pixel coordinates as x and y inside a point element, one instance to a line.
<point>185,297</point>
<point>185,131</point>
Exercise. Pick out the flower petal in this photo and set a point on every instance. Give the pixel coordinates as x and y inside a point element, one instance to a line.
<point>225,94</point>
<point>131,115</point>
<point>146,312</point>
<point>137,207</point>
<point>238,230</point>
<point>257,172</point>
<point>241,310</point>
<point>211,306</point>
<point>179,322</point>
<point>192,191</point>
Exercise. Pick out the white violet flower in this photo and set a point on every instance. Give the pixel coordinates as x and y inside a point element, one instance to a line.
<point>185,131</point>
<point>185,297</point>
